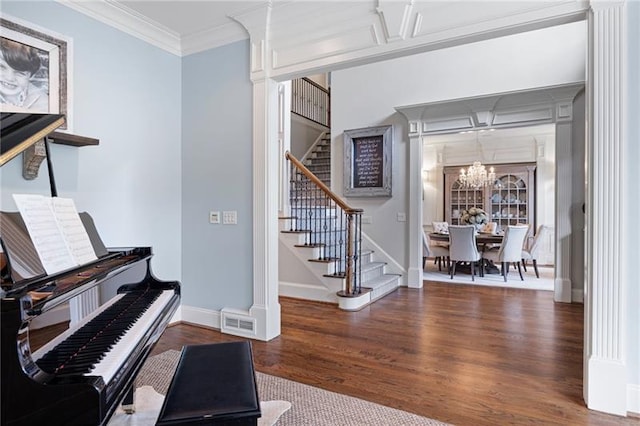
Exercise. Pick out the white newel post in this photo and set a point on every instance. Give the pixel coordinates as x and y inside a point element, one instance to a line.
<point>265,309</point>
<point>605,310</point>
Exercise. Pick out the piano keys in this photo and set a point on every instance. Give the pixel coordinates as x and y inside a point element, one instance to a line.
<point>83,374</point>
<point>118,309</point>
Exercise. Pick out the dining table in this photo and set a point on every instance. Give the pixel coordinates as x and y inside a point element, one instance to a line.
<point>484,240</point>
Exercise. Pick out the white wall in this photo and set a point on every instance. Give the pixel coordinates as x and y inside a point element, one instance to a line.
<point>303,134</point>
<point>126,93</point>
<point>365,96</point>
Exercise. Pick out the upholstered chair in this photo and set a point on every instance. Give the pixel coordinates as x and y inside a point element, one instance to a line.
<point>440,227</point>
<point>438,252</point>
<point>463,248</point>
<point>531,252</point>
<point>489,228</point>
<point>510,250</point>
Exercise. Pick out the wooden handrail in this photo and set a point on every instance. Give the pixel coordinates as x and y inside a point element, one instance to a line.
<point>321,185</point>
<point>313,83</point>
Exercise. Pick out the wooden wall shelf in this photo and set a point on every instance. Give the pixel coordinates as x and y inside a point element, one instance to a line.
<point>36,153</point>
<point>72,140</point>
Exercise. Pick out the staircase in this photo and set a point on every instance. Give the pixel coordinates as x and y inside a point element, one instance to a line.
<point>321,250</point>
<point>318,161</point>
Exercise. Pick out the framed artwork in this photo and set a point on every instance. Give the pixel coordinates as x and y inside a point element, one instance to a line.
<point>34,69</point>
<point>367,162</point>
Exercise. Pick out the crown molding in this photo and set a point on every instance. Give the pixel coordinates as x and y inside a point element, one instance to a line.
<point>133,23</point>
<point>212,38</point>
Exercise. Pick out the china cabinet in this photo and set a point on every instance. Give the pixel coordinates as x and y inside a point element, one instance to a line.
<point>510,200</point>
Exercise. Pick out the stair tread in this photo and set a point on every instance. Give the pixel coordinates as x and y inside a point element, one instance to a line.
<point>380,281</point>
<point>372,265</point>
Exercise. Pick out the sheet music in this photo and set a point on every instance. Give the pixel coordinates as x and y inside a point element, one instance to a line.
<point>73,230</point>
<point>47,238</point>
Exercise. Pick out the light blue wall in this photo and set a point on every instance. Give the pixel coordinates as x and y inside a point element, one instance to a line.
<point>126,93</point>
<point>632,178</point>
<point>217,175</point>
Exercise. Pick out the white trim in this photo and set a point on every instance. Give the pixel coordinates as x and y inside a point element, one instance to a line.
<point>177,316</point>
<point>577,296</point>
<point>200,316</point>
<point>128,21</point>
<point>212,38</point>
<point>605,378</point>
<point>315,292</point>
<point>633,399</point>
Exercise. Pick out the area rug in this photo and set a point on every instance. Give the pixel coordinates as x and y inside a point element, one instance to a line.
<point>148,403</point>
<point>545,282</point>
<point>309,406</point>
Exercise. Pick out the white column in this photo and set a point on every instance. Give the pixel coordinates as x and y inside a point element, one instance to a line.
<point>414,273</point>
<point>265,308</point>
<point>605,375</point>
<point>284,145</point>
<point>563,238</point>
<point>414,278</point>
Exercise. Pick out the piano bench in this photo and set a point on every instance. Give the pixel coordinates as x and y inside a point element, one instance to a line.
<point>214,384</point>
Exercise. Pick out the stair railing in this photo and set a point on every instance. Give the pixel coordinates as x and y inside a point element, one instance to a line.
<point>329,224</point>
<point>310,100</point>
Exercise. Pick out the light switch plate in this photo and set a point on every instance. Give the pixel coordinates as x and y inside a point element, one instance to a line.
<point>214,217</point>
<point>230,218</point>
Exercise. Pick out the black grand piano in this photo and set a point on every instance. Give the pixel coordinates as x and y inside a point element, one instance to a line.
<point>119,310</point>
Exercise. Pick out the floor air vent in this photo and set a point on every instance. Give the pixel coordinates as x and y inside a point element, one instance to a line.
<point>234,324</point>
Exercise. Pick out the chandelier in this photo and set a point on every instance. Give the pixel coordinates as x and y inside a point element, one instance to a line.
<point>476,176</point>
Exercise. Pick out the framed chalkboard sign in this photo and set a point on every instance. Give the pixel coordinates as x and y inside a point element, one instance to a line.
<point>367,162</point>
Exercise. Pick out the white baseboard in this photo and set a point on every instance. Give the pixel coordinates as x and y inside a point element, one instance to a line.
<point>607,388</point>
<point>307,291</point>
<point>177,316</point>
<point>577,296</point>
<point>633,399</point>
<point>199,316</point>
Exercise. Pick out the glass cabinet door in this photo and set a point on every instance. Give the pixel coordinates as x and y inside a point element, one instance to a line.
<point>463,199</point>
<point>509,201</point>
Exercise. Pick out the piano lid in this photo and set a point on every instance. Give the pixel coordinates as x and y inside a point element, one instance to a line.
<point>18,131</point>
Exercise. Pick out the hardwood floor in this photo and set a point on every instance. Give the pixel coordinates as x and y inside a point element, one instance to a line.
<point>466,355</point>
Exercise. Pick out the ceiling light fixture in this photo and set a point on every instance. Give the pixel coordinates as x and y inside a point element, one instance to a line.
<point>476,175</point>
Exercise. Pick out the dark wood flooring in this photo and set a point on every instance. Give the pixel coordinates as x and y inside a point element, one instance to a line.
<point>468,355</point>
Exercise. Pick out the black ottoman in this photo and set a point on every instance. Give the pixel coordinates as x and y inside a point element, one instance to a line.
<point>214,384</point>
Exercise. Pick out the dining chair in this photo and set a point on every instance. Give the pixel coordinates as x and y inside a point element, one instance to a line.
<point>463,248</point>
<point>531,252</point>
<point>440,227</point>
<point>489,228</point>
<point>438,252</point>
<point>510,251</point>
